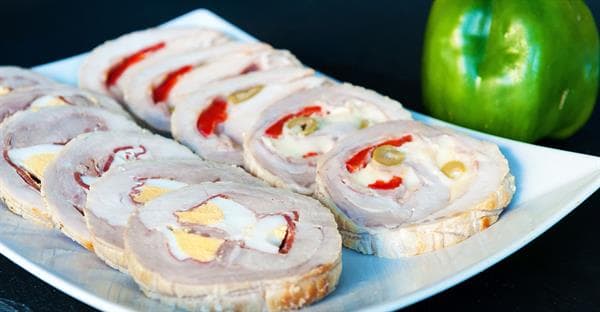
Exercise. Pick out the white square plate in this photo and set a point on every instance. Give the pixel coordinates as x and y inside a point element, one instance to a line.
<point>546,193</point>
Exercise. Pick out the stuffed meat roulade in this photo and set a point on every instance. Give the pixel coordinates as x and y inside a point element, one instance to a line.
<point>68,178</point>
<point>148,91</point>
<point>14,79</point>
<point>403,188</point>
<point>213,122</point>
<point>30,140</point>
<point>57,95</point>
<point>105,65</point>
<point>118,193</point>
<point>291,135</point>
<point>234,246</point>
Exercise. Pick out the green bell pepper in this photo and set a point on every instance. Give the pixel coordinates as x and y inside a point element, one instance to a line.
<point>524,69</point>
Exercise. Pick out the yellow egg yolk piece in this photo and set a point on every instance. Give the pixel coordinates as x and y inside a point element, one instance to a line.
<point>205,214</point>
<point>153,188</point>
<point>34,159</point>
<point>36,164</point>
<point>197,247</point>
<point>148,192</point>
<point>47,101</point>
<point>4,90</point>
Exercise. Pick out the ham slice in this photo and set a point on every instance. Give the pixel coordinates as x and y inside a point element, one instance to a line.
<point>55,95</point>
<point>68,178</point>
<point>291,135</point>
<point>117,194</point>
<point>234,246</point>
<point>403,188</point>
<point>213,122</point>
<point>104,67</point>
<point>29,140</point>
<point>14,79</point>
<point>149,91</point>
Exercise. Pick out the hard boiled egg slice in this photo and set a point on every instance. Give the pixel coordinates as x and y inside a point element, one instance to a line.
<point>34,159</point>
<point>195,246</point>
<point>153,188</point>
<point>4,90</point>
<point>240,223</point>
<point>47,101</point>
<point>269,232</point>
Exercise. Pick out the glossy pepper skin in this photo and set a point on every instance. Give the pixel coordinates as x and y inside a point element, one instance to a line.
<point>519,69</point>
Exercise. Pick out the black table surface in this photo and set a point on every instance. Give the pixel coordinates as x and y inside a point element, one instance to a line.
<point>375,44</point>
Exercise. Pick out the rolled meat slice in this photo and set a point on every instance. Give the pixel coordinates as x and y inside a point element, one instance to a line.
<point>14,79</point>
<point>291,135</point>
<point>213,122</point>
<point>106,64</point>
<point>149,91</point>
<point>234,246</point>
<point>402,188</point>
<point>51,96</point>
<point>68,177</point>
<point>121,191</point>
<point>30,140</point>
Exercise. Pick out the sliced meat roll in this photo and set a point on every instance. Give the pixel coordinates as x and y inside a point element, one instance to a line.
<point>106,64</point>
<point>234,246</point>
<point>30,140</point>
<point>122,190</point>
<point>67,179</point>
<point>51,96</point>
<point>14,79</point>
<point>403,188</point>
<point>148,92</point>
<point>291,135</point>
<point>213,122</point>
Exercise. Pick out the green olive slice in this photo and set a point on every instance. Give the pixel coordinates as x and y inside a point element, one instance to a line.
<point>364,123</point>
<point>307,125</point>
<point>243,95</point>
<point>388,155</point>
<point>454,169</point>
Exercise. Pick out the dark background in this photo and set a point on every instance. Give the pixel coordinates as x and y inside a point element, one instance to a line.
<point>376,44</point>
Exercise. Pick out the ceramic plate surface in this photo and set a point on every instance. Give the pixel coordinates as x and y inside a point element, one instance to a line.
<point>546,193</point>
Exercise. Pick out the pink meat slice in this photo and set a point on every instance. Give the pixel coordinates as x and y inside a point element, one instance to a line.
<point>89,156</point>
<point>14,79</point>
<point>225,144</point>
<point>55,125</point>
<point>199,68</point>
<point>298,173</point>
<point>369,208</point>
<point>24,99</point>
<point>110,203</point>
<point>94,71</point>
<point>237,271</point>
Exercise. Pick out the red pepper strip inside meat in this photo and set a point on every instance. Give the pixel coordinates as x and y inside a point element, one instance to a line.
<point>386,185</point>
<point>118,69</point>
<point>161,92</point>
<point>214,115</point>
<point>360,159</point>
<point>275,130</point>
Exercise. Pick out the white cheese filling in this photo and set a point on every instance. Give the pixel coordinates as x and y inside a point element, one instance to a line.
<point>335,122</point>
<point>431,154</point>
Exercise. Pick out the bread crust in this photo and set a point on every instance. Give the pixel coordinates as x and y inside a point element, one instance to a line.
<point>31,213</point>
<point>113,257</point>
<point>420,237</point>
<point>287,293</point>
